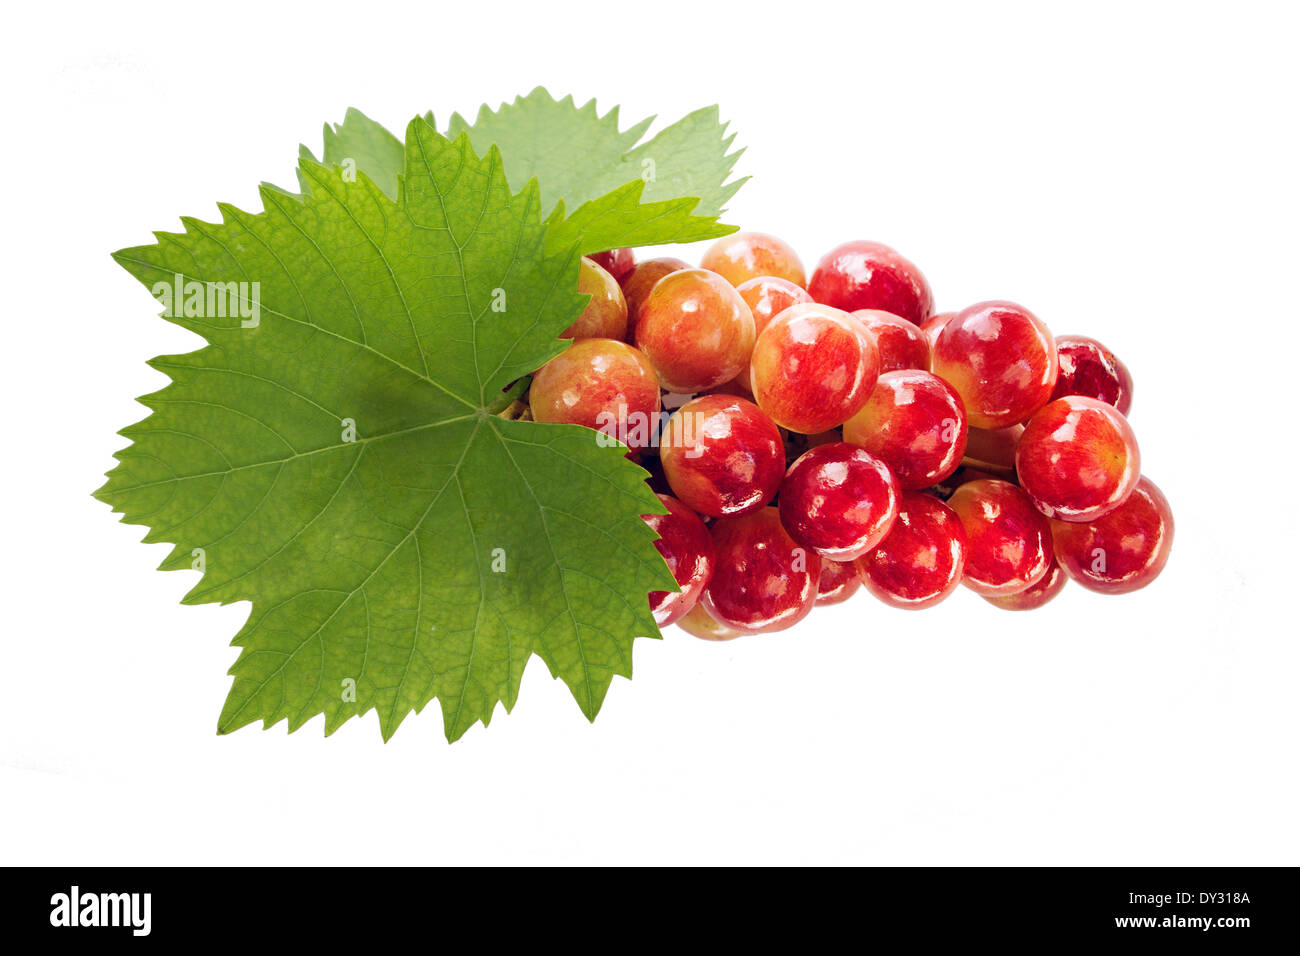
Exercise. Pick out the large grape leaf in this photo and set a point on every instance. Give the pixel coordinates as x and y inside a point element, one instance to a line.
<point>575,154</point>
<point>432,551</point>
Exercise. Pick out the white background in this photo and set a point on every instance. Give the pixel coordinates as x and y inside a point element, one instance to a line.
<point>1127,171</point>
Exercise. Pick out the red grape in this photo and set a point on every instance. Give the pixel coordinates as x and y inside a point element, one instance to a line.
<point>696,329</point>
<point>747,255</point>
<point>687,548</point>
<point>722,455</point>
<point>869,275</point>
<point>920,561</point>
<point>1000,358</point>
<point>915,423</point>
<point>767,297</point>
<point>996,446</point>
<point>1078,459</point>
<point>698,622</point>
<point>839,582</point>
<point>602,384</point>
<point>1008,540</point>
<point>838,500</point>
<point>1089,368</point>
<point>1120,551</point>
<point>901,344</point>
<point>932,326</point>
<point>638,283</point>
<point>1037,594</point>
<point>813,367</point>
<point>763,580</point>
<point>617,262</point>
<point>605,316</point>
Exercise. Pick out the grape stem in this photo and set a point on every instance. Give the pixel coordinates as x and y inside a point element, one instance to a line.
<point>516,411</point>
<point>1001,471</point>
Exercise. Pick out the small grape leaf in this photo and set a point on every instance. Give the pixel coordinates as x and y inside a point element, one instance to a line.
<point>359,139</point>
<point>575,154</point>
<point>433,551</point>
<point>544,137</point>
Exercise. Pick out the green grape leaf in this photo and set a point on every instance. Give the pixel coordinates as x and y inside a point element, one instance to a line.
<point>621,218</point>
<point>363,142</point>
<point>577,157</point>
<point>334,455</point>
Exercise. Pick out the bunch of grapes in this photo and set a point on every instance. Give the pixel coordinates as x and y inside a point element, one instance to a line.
<point>813,436</point>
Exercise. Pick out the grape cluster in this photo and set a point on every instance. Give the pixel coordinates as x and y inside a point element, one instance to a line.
<point>810,436</point>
